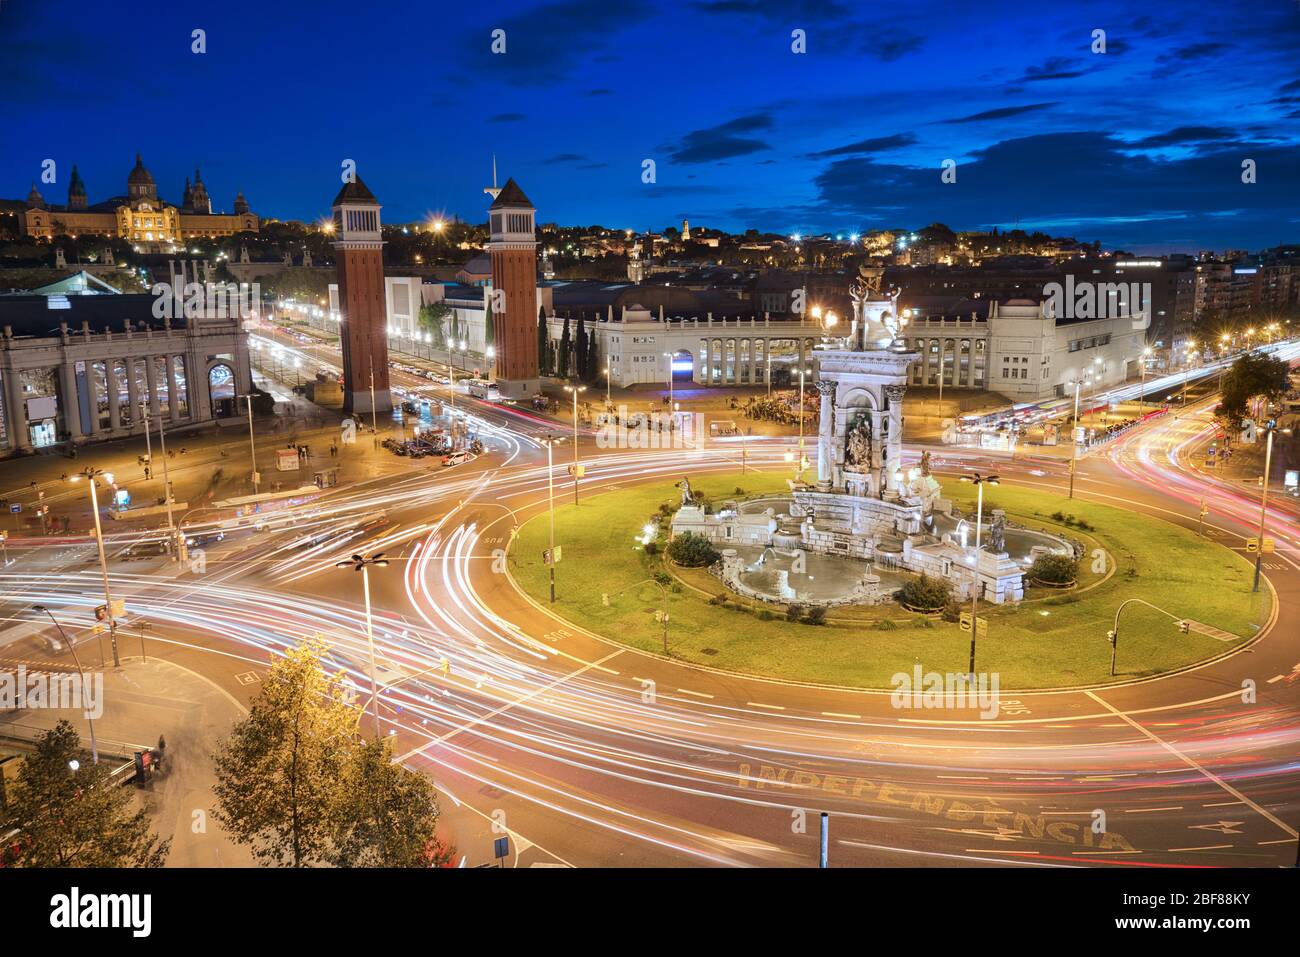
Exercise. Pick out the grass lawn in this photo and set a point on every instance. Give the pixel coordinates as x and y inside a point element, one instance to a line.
<point>1052,639</point>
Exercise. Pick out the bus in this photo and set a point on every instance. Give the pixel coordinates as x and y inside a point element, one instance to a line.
<point>482,389</point>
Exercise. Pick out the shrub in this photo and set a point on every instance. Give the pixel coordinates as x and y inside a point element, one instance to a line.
<point>951,612</point>
<point>816,616</point>
<point>739,491</point>
<point>1054,569</point>
<point>692,551</point>
<point>765,615</point>
<point>886,624</point>
<point>663,578</point>
<point>924,592</point>
<point>652,548</point>
<point>794,613</point>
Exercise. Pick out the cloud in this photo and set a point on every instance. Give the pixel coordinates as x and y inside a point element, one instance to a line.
<point>540,41</point>
<point>1053,69</point>
<point>565,158</point>
<point>1184,135</point>
<point>507,118</point>
<point>1086,180</point>
<point>723,141</point>
<point>875,145</point>
<point>1000,113</point>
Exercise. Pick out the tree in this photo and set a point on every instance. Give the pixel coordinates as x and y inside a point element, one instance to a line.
<point>1055,569</point>
<point>562,366</point>
<point>692,551</point>
<point>387,814</point>
<point>593,364</point>
<point>66,818</point>
<point>924,593</point>
<point>279,774</point>
<point>1251,375</point>
<point>543,343</point>
<point>433,318</point>
<point>580,348</point>
<point>295,780</point>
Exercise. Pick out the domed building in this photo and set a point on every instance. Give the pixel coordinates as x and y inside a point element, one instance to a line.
<point>140,217</point>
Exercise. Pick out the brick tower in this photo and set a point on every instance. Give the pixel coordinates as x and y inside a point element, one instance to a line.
<point>358,255</point>
<point>513,248</point>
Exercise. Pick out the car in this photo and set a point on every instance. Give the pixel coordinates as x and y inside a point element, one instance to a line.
<point>149,549</point>
<point>199,539</point>
<point>455,458</point>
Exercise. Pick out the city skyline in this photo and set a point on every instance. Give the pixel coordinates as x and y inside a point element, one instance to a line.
<point>1140,147</point>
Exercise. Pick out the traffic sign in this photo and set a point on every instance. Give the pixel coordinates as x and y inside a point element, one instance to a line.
<point>501,847</point>
<point>964,622</point>
<point>577,471</point>
<point>1269,546</point>
<point>1252,545</point>
<point>981,627</point>
<point>546,555</point>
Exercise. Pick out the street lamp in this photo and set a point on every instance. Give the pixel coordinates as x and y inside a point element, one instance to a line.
<point>90,475</point>
<point>1146,354</point>
<point>252,449</point>
<point>550,442</point>
<point>575,389</point>
<point>362,564</point>
<point>490,353</point>
<point>1263,505</point>
<point>979,482</point>
<point>1074,436</point>
<point>798,472</point>
<point>94,746</point>
<point>607,403</point>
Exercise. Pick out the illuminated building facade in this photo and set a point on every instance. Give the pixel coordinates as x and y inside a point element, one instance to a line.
<point>139,217</point>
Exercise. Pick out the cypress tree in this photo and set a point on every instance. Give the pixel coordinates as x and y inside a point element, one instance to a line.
<point>562,366</point>
<point>580,351</point>
<point>543,346</point>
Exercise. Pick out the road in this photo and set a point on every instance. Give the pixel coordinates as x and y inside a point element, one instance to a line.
<point>588,753</point>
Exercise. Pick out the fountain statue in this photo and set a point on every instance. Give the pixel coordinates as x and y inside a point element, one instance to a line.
<point>688,497</point>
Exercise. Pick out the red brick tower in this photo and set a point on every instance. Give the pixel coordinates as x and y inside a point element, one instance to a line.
<point>358,255</point>
<point>513,248</point>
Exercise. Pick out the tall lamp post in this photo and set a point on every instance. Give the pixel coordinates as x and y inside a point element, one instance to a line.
<point>979,482</point>
<point>799,466</point>
<point>550,442</point>
<point>90,475</point>
<point>252,448</point>
<point>669,357</point>
<point>607,403</point>
<point>575,389</point>
<point>363,564</point>
<point>94,746</point>
<point>1263,504</point>
<point>1146,355</point>
<point>1074,436</point>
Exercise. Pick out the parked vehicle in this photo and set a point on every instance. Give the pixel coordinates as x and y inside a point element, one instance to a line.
<point>456,458</point>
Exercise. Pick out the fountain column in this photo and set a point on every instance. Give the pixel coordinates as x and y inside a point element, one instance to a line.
<point>893,453</point>
<point>826,435</point>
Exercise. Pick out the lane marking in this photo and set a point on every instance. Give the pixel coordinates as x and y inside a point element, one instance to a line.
<point>1191,762</point>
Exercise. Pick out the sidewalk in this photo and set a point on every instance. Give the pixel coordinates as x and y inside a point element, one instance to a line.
<point>142,700</point>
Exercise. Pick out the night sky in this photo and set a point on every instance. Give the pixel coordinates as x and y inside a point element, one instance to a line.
<point>1140,148</point>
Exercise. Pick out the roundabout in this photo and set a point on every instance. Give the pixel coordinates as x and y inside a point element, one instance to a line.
<point>1054,638</point>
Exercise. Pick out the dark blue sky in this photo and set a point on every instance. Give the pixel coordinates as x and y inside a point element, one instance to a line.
<point>1140,147</point>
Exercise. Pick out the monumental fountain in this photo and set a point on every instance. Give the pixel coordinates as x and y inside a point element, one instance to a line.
<point>867,522</point>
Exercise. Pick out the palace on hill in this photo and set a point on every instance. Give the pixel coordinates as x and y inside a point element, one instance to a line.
<point>139,217</point>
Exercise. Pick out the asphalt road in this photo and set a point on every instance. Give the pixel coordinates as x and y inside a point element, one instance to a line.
<point>588,753</point>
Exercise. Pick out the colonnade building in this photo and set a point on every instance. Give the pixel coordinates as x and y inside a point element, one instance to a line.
<point>76,369</point>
